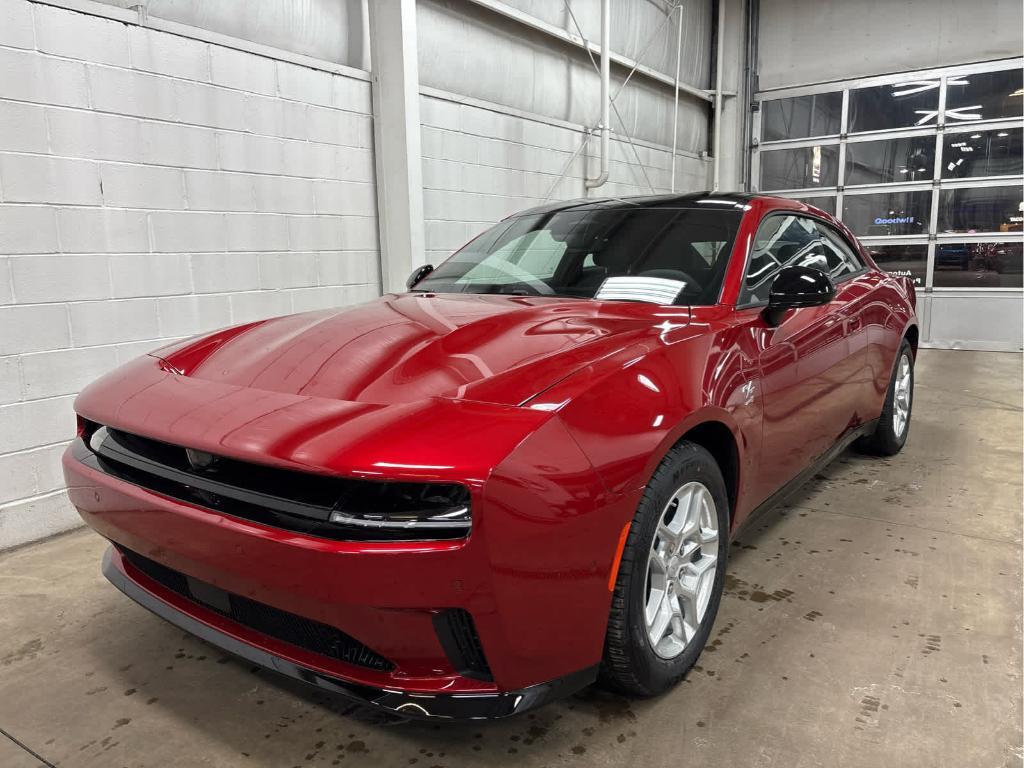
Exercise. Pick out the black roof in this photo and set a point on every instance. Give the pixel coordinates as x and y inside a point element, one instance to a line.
<point>640,201</point>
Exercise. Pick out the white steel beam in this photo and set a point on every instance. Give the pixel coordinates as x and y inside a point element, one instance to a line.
<point>551,30</point>
<point>396,133</point>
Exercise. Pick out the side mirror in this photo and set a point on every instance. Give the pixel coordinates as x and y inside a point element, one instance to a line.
<point>794,287</point>
<point>418,274</point>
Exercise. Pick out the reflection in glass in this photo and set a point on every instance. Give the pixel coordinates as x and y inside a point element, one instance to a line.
<point>984,96</point>
<point>898,105</point>
<point>801,117</point>
<point>978,265</point>
<point>879,162</point>
<point>827,203</point>
<point>800,168</point>
<point>981,209</point>
<point>902,260</point>
<point>888,213</point>
<point>573,252</point>
<point>779,241</point>
<point>995,152</point>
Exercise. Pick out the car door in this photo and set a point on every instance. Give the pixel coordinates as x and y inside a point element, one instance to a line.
<point>803,362</point>
<point>854,294</point>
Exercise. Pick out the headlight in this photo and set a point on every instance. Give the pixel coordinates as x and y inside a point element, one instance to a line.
<point>400,505</point>
<point>341,508</point>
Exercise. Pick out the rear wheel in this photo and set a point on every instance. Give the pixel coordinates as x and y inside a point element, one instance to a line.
<point>671,575</point>
<point>894,424</point>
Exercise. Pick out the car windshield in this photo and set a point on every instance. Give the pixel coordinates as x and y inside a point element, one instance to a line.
<point>573,252</point>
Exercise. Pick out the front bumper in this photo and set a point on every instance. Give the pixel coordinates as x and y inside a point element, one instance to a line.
<point>539,606</point>
<point>465,706</point>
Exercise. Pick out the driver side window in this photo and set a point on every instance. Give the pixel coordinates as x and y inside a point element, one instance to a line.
<point>780,241</point>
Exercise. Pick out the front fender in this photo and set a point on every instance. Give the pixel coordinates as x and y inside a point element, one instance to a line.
<point>628,410</point>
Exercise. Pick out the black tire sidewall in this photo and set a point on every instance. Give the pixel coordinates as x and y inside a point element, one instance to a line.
<point>886,440</point>
<point>690,463</point>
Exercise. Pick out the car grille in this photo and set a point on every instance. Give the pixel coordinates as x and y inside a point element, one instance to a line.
<point>287,627</point>
<point>296,501</point>
<point>457,633</point>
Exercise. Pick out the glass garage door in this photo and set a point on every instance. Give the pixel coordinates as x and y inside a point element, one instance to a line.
<point>924,167</point>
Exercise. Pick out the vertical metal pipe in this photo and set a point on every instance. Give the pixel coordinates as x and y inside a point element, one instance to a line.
<point>675,107</point>
<point>717,138</point>
<point>747,95</point>
<point>606,104</point>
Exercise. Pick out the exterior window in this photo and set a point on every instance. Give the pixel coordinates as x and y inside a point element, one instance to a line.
<point>842,260</point>
<point>902,260</point>
<point>879,162</point>
<point>984,96</point>
<point>932,172</point>
<point>899,105</point>
<point>801,117</point>
<point>995,152</point>
<point>981,209</point>
<point>827,203</point>
<point>779,242</point>
<point>888,213</point>
<point>800,168</point>
<point>978,265</point>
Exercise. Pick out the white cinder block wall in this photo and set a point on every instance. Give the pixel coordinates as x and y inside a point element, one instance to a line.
<point>154,186</point>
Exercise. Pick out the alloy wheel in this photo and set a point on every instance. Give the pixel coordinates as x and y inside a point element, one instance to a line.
<point>901,396</point>
<point>681,569</point>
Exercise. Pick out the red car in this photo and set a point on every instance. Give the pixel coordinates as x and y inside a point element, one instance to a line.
<point>519,477</point>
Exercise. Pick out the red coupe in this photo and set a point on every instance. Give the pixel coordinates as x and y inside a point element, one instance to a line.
<point>514,480</point>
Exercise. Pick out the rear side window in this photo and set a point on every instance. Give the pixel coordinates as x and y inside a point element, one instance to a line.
<point>794,239</point>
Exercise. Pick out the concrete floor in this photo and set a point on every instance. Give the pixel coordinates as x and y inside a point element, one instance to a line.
<point>875,621</point>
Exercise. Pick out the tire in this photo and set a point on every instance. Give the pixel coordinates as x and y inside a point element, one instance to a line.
<point>687,480</point>
<point>891,433</point>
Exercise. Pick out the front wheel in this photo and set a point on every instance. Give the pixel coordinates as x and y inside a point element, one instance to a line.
<point>894,424</point>
<point>671,575</point>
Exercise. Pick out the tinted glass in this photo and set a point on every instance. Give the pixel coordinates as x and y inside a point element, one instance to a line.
<point>571,253</point>
<point>978,265</point>
<point>801,117</point>
<point>842,259</point>
<point>888,213</point>
<point>981,209</point>
<point>780,240</point>
<point>995,152</point>
<point>783,240</point>
<point>880,162</point>
<point>800,168</point>
<point>902,260</point>
<point>825,203</point>
<point>984,96</point>
<point>893,106</point>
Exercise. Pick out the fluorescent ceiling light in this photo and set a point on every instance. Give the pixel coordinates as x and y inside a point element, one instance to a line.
<point>918,86</point>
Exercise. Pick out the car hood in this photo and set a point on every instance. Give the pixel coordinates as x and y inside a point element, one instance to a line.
<point>406,347</point>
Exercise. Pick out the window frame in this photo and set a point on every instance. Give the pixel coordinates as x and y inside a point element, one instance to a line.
<point>938,129</point>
